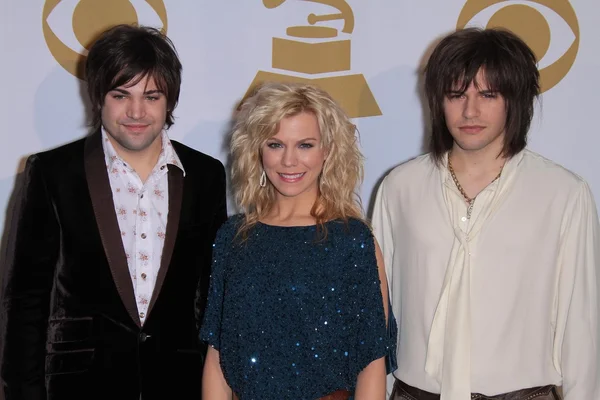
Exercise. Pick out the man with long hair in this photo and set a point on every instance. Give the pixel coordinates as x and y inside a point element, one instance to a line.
<point>491,250</point>
<point>112,253</point>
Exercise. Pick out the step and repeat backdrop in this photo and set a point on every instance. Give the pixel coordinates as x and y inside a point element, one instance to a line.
<point>366,53</point>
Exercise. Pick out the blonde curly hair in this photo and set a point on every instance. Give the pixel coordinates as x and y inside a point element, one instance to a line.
<point>257,120</point>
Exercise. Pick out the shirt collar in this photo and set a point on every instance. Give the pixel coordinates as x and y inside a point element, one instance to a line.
<point>168,155</point>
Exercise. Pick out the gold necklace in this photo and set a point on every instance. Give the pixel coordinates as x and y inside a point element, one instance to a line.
<point>470,201</point>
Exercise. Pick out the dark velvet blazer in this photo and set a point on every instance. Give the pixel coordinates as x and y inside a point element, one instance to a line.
<point>72,329</point>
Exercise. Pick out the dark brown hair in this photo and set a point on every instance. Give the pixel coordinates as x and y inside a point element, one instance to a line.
<point>509,67</point>
<point>124,55</point>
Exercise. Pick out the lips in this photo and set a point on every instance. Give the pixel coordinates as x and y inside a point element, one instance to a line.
<point>291,178</point>
<point>135,127</point>
<point>472,129</point>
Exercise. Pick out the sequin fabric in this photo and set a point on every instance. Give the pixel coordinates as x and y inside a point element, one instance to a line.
<point>294,318</point>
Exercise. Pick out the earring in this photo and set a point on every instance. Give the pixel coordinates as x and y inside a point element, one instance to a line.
<point>263,179</point>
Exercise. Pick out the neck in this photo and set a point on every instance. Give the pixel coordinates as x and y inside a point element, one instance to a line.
<point>143,161</point>
<point>475,170</point>
<point>292,210</point>
<point>476,163</point>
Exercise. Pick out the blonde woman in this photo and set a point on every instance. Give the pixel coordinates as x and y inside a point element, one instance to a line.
<point>298,295</point>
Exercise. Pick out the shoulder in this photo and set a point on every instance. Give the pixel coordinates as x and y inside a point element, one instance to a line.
<point>541,169</point>
<point>354,242</point>
<point>411,171</point>
<point>192,158</point>
<point>60,156</point>
<point>358,227</point>
<point>354,231</point>
<point>230,227</point>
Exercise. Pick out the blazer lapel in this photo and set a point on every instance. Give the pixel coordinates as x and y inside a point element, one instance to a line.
<point>108,225</point>
<point>175,199</point>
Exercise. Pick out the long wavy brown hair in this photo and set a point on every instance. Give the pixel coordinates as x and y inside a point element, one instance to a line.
<point>258,120</point>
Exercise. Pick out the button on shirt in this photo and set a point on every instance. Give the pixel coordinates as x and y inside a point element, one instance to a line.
<point>503,301</point>
<point>142,210</point>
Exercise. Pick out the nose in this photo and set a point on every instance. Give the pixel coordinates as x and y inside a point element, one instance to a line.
<point>471,107</point>
<point>290,158</point>
<point>136,109</point>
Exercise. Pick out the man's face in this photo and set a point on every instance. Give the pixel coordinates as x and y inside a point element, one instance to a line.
<point>476,118</point>
<point>134,116</point>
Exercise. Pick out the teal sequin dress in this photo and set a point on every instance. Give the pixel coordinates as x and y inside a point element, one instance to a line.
<point>292,317</point>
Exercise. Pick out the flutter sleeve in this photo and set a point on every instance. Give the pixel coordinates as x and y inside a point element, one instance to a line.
<point>374,338</point>
<point>210,330</point>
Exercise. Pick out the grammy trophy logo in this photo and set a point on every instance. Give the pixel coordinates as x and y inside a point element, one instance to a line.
<point>533,28</point>
<point>319,56</point>
<point>90,18</point>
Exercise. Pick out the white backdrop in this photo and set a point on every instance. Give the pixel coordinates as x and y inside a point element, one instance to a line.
<point>223,44</point>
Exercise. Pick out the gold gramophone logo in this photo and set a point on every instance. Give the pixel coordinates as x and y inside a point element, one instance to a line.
<point>88,19</point>
<point>530,24</point>
<point>311,50</point>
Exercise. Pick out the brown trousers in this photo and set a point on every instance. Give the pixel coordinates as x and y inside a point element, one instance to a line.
<point>402,391</point>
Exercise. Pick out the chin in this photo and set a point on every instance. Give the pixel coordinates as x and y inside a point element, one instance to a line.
<point>289,193</point>
<point>471,146</point>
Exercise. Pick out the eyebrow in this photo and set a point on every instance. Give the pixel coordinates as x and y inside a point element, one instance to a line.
<point>146,93</point>
<point>299,141</point>
<point>486,91</point>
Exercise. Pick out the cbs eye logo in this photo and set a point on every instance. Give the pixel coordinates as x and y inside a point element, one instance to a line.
<point>71,26</point>
<point>555,48</point>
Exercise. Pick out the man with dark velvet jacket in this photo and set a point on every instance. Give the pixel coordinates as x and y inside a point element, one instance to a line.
<point>111,258</point>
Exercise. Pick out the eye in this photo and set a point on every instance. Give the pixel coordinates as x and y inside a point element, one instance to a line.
<point>274,145</point>
<point>552,32</point>
<point>489,95</point>
<point>152,98</point>
<point>118,96</point>
<point>454,96</point>
<point>306,146</point>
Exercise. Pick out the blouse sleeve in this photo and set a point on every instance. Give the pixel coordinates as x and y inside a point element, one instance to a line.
<point>579,355</point>
<point>373,338</point>
<point>210,330</point>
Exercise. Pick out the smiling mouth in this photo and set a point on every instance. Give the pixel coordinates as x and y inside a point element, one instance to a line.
<point>136,127</point>
<point>291,177</point>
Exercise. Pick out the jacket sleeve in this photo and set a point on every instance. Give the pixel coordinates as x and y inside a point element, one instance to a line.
<point>218,190</point>
<point>33,250</point>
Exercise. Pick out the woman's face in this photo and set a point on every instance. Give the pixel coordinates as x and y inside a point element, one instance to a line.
<point>293,158</point>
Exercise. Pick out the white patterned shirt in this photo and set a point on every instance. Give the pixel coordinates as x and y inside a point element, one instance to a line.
<point>142,210</point>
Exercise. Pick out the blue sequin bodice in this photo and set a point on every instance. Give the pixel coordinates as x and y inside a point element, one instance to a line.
<point>292,317</point>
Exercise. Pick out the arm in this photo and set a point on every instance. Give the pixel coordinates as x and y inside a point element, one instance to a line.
<point>34,249</point>
<point>214,386</point>
<point>578,304</point>
<point>371,383</point>
<point>383,231</point>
